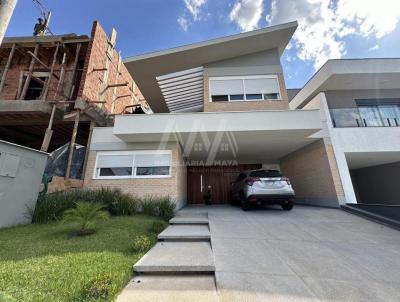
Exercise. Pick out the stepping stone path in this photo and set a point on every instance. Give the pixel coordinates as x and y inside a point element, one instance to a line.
<point>180,267</point>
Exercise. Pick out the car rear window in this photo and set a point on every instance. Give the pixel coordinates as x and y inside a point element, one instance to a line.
<point>266,173</point>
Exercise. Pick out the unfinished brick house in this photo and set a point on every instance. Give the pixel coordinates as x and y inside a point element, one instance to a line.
<point>51,83</point>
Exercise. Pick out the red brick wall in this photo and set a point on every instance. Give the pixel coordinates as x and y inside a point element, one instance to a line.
<point>92,81</point>
<point>93,55</point>
<point>21,63</point>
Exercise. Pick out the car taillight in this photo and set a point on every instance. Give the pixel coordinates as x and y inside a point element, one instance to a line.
<point>251,180</point>
<point>286,179</point>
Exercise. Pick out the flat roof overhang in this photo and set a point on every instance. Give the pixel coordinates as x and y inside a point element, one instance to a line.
<point>251,136</point>
<point>14,112</point>
<point>31,41</point>
<point>350,74</point>
<point>147,67</point>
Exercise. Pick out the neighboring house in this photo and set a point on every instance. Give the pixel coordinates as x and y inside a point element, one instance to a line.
<point>359,101</point>
<point>219,106</point>
<point>69,72</point>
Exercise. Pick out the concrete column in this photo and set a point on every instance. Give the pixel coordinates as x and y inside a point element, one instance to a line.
<point>343,168</point>
<point>6,11</point>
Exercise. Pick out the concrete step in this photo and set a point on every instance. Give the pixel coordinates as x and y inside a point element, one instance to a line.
<point>182,232</point>
<point>167,288</point>
<point>177,257</point>
<point>189,218</point>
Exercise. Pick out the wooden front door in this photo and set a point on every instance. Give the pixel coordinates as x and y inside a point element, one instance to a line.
<point>214,181</point>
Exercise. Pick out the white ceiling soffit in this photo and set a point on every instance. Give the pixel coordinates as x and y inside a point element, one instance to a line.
<point>183,91</point>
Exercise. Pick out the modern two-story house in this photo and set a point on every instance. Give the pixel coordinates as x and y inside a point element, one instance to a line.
<point>220,106</point>
<point>359,101</point>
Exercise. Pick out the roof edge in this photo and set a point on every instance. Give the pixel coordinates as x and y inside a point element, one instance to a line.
<point>330,67</point>
<point>171,50</point>
<point>43,39</point>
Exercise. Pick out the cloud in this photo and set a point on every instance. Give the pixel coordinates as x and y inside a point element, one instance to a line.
<point>194,8</point>
<point>376,18</point>
<point>247,13</point>
<point>324,23</point>
<point>183,23</point>
<point>375,47</point>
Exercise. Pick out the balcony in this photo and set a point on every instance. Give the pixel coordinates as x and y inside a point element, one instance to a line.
<point>366,116</point>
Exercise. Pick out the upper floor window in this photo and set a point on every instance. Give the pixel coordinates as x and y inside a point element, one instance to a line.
<point>244,88</point>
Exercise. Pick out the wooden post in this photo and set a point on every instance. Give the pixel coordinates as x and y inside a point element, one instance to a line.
<point>8,64</point>
<point>71,145</point>
<point>20,84</point>
<point>116,81</point>
<point>74,66</point>
<point>49,131</point>
<point>28,78</point>
<point>47,85</point>
<point>92,124</point>
<point>61,80</point>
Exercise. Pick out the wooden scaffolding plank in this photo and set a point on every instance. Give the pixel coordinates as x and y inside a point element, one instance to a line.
<point>74,67</point>
<point>62,73</point>
<point>48,82</point>
<point>7,67</point>
<point>28,78</point>
<point>72,145</point>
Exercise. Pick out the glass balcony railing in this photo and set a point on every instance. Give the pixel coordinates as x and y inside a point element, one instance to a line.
<point>366,116</point>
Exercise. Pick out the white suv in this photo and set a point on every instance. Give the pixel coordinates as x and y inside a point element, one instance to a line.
<point>262,187</point>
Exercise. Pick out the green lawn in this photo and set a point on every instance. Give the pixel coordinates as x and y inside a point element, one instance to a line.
<point>48,263</point>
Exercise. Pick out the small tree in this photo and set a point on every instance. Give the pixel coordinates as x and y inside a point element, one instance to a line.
<point>85,215</point>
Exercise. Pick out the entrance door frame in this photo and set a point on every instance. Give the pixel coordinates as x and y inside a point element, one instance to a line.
<point>215,180</point>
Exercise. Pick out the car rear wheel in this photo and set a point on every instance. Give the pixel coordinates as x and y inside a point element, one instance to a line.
<point>244,203</point>
<point>288,206</point>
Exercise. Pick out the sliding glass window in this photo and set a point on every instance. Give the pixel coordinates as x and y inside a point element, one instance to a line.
<point>244,88</point>
<point>133,164</point>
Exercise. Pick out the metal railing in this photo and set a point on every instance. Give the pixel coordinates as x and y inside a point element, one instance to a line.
<point>353,117</point>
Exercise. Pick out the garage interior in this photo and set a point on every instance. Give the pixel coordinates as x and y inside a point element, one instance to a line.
<point>377,184</point>
<point>375,178</point>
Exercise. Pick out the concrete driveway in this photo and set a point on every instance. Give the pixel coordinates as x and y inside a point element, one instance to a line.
<point>307,254</point>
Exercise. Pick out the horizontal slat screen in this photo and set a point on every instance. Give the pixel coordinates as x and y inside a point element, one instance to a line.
<point>223,87</point>
<point>255,86</point>
<point>114,161</point>
<point>152,160</point>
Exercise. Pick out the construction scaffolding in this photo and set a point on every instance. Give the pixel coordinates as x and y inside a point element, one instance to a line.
<point>59,85</point>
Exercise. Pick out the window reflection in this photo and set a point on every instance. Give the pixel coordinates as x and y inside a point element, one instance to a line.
<point>367,116</point>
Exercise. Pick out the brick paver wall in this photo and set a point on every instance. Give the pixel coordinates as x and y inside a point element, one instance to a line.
<point>310,173</point>
<point>174,186</point>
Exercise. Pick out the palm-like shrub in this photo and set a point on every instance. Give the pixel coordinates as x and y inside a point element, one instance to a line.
<point>86,215</point>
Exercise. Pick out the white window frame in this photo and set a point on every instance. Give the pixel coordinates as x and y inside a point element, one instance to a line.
<point>243,78</point>
<point>133,153</point>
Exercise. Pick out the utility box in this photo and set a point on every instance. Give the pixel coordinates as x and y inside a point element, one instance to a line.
<point>21,171</point>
